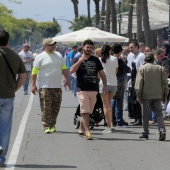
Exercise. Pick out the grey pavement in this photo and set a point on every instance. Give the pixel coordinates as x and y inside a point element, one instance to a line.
<point>64,149</point>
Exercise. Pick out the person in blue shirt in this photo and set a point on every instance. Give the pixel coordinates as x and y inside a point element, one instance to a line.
<point>69,59</point>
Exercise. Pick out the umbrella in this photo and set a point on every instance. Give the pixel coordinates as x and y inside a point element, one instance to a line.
<point>91,33</point>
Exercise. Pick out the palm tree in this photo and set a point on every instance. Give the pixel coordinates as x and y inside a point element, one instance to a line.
<point>88,11</point>
<point>113,16</point>
<point>79,23</point>
<point>146,24</point>
<point>97,12</point>
<point>140,36</point>
<point>75,4</point>
<point>102,15</point>
<point>130,18</point>
<point>107,21</point>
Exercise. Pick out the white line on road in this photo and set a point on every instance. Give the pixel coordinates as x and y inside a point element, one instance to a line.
<point>17,143</point>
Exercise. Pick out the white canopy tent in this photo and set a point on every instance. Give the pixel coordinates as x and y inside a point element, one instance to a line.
<point>92,33</point>
<point>158,16</point>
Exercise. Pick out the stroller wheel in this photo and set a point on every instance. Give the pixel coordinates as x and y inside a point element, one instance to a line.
<point>76,123</point>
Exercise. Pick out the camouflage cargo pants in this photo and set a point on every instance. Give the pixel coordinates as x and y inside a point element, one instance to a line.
<point>50,101</point>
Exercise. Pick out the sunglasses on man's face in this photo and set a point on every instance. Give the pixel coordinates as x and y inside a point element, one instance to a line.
<point>51,44</point>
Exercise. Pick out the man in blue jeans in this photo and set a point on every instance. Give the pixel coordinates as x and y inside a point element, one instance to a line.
<point>10,66</point>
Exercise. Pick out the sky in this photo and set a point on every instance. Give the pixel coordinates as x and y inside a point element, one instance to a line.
<point>45,10</point>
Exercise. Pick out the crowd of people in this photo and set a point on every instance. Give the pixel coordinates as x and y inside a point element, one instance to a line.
<point>127,88</point>
<point>131,77</point>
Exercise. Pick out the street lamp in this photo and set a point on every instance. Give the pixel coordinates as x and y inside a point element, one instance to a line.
<point>119,17</point>
<point>62,17</point>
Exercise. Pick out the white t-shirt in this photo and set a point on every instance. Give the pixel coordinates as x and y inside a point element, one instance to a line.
<point>50,69</point>
<point>139,59</point>
<point>26,56</point>
<point>110,70</point>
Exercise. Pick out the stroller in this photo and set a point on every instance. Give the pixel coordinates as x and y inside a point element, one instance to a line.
<point>95,118</point>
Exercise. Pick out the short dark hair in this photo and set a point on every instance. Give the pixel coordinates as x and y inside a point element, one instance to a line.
<point>136,44</point>
<point>4,37</point>
<point>74,47</point>
<point>88,41</point>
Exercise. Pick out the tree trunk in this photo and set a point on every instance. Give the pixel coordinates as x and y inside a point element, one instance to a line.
<point>88,11</point>
<point>159,38</point>
<point>97,12</point>
<point>107,21</point>
<point>146,24</point>
<point>102,19</point>
<point>113,16</point>
<point>140,36</point>
<point>130,19</point>
<point>75,3</point>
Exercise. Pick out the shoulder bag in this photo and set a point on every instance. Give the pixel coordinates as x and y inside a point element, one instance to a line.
<point>7,63</point>
<point>118,93</point>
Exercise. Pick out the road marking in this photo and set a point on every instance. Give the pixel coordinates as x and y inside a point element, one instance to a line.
<point>17,143</point>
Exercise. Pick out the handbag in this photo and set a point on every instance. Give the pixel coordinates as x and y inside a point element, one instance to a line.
<point>118,93</point>
<point>7,63</point>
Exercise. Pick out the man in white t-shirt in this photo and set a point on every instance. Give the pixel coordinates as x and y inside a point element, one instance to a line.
<point>49,65</point>
<point>27,58</point>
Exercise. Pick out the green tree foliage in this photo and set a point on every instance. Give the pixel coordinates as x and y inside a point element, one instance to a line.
<point>79,23</point>
<point>9,23</point>
<point>49,29</point>
<point>15,1</point>
<point>25,30</point>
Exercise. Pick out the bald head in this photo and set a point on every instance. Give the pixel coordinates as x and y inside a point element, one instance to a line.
<point>147,49</point>
<point>26,47</point>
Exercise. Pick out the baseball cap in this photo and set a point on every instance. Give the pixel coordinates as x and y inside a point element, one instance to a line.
<point>49,41</point>
<point>117,47</point>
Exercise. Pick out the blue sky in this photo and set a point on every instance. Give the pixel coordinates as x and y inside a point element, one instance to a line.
<point>45,10</point>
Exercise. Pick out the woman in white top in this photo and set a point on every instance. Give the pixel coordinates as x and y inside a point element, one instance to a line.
<point>110,65</point>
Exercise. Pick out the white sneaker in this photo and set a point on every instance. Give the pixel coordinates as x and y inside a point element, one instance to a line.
<point>108,130</point>
<point>1,150</point>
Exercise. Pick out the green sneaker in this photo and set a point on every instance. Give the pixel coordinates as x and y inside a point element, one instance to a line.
<point>53,129</point>
<point>48,130</point>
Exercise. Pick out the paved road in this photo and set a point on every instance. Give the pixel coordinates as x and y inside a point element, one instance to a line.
<point>30,148</point>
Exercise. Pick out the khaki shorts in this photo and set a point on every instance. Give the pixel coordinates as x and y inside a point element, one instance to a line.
<point>87,100</point>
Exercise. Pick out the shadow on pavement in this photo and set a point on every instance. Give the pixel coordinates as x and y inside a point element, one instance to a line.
<point>40,166</point>
<point>115,139</point>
